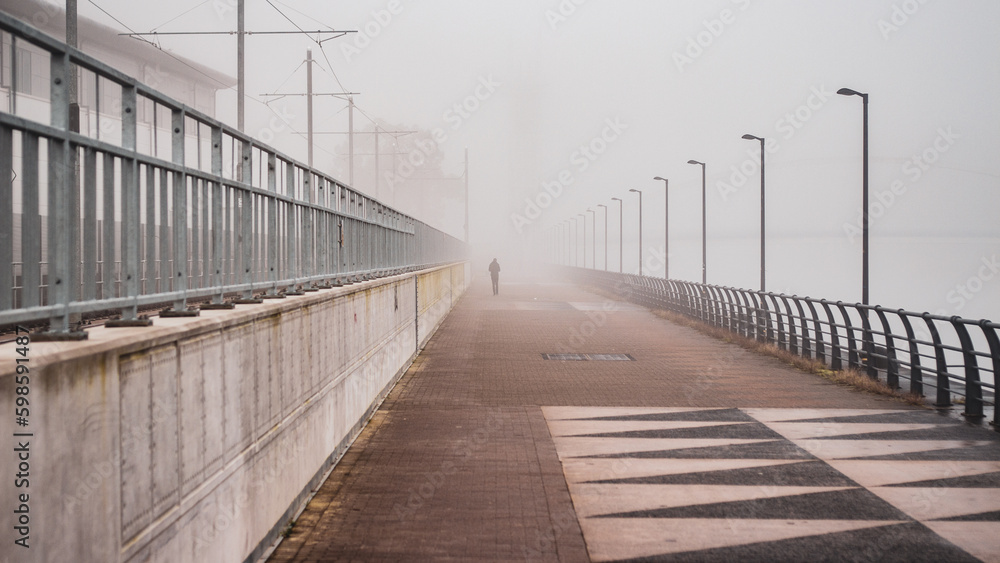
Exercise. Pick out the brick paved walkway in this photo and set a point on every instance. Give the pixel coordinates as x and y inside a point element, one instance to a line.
<point>459,463</point>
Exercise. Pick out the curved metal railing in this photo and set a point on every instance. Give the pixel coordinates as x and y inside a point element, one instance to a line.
<point>950,355</point>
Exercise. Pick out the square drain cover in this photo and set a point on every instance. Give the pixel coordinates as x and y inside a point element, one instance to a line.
<point>586,357</point>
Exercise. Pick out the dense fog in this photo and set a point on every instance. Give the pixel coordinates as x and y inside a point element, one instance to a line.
<point>565,104</point>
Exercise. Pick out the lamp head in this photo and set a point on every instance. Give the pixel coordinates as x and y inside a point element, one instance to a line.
<point>636,191</point>
<point>750,137</point>
<point>696,162</point>
<point>602,205</point>
<point>849,92</point>
<point>659,178</point>
<point>616,198</point>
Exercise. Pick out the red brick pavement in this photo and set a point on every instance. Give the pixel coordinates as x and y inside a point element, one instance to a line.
<point>458,463</point>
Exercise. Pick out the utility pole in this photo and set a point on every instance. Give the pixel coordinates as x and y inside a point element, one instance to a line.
<point>350,140</point>
<point>309,103</point>
<point>466,195</point>
<point>75,319</point>
<point>241,85</point>
<point>72,41</point>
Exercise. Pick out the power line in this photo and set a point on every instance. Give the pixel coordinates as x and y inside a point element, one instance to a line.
<point>340,33</point>
<point>304,14</point>
<point>120,22</point>
<point>180,16</point>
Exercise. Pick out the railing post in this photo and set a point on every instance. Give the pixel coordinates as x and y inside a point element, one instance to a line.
<point>308,242</point>
<point>867,342</point>
<point>7,219</point>
<point>761,332</point>
<point>892,365</point>
<point>990,331</point>
<point>942,382</point>
<point>973,386</point>
<point>852,350</point>
<point>273,236</point>
<point>325,218</point>
<point>62,218</point>
<point>292,228</point>
<point>818,331</point>
<point>130,214</point>
<point>916,373</point>
<point>804,324</point>
<point>782,337</point>
<point>217,244</point>
<point>793,341</point>
<point>747,327</point>
<point>836,359</point>
<point>181,272</point>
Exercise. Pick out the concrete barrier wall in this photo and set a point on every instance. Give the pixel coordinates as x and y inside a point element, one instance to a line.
<point>198,439</point>
<point>436,295</point>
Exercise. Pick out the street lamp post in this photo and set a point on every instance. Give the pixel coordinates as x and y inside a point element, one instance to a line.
<point>640,229</point>
<point>593,239</point>
<point>562,239</point>
<point>750,137</point>
<point>605,235</point>
<point>561,246</point>
<point>620,243</point>
<point>943,398</point>
<point>704,230</point>
<point>666,227</point>
<point>574,243</point>
<point>864,191</point>
<point>584,238</point>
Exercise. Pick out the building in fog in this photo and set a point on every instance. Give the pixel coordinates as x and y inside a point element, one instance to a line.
<point>24,91</point>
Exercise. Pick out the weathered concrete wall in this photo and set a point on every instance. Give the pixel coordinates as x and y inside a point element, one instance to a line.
<point>197,439</point>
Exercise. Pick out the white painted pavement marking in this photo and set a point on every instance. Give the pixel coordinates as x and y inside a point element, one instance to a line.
<point>981,539</point>
<point>568,428</point>
<point>934,503</point>
<point>807,430</point>
<point>846,449</point>
<point>877,473</point>
<point>781,415</point>
<point>596,500</point>
<point>573,413</point>
<point>616,538</point>
<point>626,538</point>
<point>570,447</point>
<point>583,470</point>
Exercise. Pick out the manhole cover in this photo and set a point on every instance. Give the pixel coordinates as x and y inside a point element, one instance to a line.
<point>589,357</point>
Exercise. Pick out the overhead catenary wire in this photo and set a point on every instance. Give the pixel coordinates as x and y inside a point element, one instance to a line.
<point>175,18</point>
<point>265,103</point>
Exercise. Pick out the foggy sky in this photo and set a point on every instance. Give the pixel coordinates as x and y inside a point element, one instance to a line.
<point>649,85</point>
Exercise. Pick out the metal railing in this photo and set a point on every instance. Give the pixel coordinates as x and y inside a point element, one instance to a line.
<point>90,225</point>
<point>951,355</point>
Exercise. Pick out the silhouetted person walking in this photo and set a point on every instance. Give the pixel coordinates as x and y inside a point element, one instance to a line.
<point>495,275</point>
